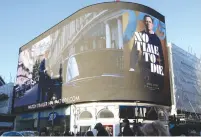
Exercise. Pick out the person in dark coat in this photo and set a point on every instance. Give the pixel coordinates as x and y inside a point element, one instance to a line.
<point>43,132</point>
<point>89,133</point>
<point>155,128</point>
<point>101,130</point>
<point>67,133</point>
<point>127,130</point>
<point>142,65</point>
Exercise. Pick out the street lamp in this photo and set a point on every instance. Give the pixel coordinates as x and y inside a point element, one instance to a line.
<point>53,107</point>
<point>75,115</point>
<point>137,110</point>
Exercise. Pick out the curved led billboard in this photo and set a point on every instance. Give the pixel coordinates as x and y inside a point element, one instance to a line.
<point>104,52</point>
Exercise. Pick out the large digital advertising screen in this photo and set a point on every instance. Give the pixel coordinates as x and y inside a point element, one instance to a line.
<point>105,52</point>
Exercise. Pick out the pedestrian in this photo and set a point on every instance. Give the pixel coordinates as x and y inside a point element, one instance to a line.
<point>127,130</point>
<point>155,128</point>
<point>67,133</point>
<point>89,133</point>
<point>43,132</point>
<point>101,130</point>
<point>78,134</point>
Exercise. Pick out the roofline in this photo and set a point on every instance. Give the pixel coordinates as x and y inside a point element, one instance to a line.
<point>138,7</point>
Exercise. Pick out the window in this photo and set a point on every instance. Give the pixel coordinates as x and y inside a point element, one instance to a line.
<point>105,114</point>
<point>94,44</point>
<point>72,69</point>
<point>85,115</point>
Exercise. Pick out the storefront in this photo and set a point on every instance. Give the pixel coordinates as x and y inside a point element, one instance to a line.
<point>85,116</point>
<point>94,55</point>
<point>6,122</point>
<point>36,120</point>
<point>59,120</point>
<point>27,121</point>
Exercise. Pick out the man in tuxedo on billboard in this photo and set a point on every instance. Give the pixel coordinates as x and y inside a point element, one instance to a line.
<point>142,67</point>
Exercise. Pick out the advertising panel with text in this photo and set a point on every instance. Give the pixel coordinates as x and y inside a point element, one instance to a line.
<point>112,52</point>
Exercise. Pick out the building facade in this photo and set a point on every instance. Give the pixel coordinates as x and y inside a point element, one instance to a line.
<point>99,65</point>
<point>6,96</point>
<point>111,114</point>
<point>185,81</point>
<point>35,120</point>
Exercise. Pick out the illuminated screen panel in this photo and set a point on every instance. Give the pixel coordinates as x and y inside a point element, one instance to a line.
<point>104,52</point>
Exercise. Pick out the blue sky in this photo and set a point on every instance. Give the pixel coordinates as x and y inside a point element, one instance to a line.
<point>23,20</point>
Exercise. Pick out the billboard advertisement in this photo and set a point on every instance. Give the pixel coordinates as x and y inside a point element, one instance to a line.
<point>104,52</point>
<point>186,80</point>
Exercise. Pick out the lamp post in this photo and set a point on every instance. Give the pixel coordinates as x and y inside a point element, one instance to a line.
<point>137,110</point>
<point>53,107</point>
<point>75,115</point>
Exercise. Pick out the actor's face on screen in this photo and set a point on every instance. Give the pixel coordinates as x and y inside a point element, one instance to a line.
<point>148,23</point>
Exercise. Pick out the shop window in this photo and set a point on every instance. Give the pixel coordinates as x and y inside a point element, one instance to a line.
<point>105,114</point>
<point>85,115</point>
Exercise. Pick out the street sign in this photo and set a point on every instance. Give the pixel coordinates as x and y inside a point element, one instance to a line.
<point>52,116</point>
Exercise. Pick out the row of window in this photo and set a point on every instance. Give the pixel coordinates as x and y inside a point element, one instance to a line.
<point>95,38</point>
<point>103,114</point>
